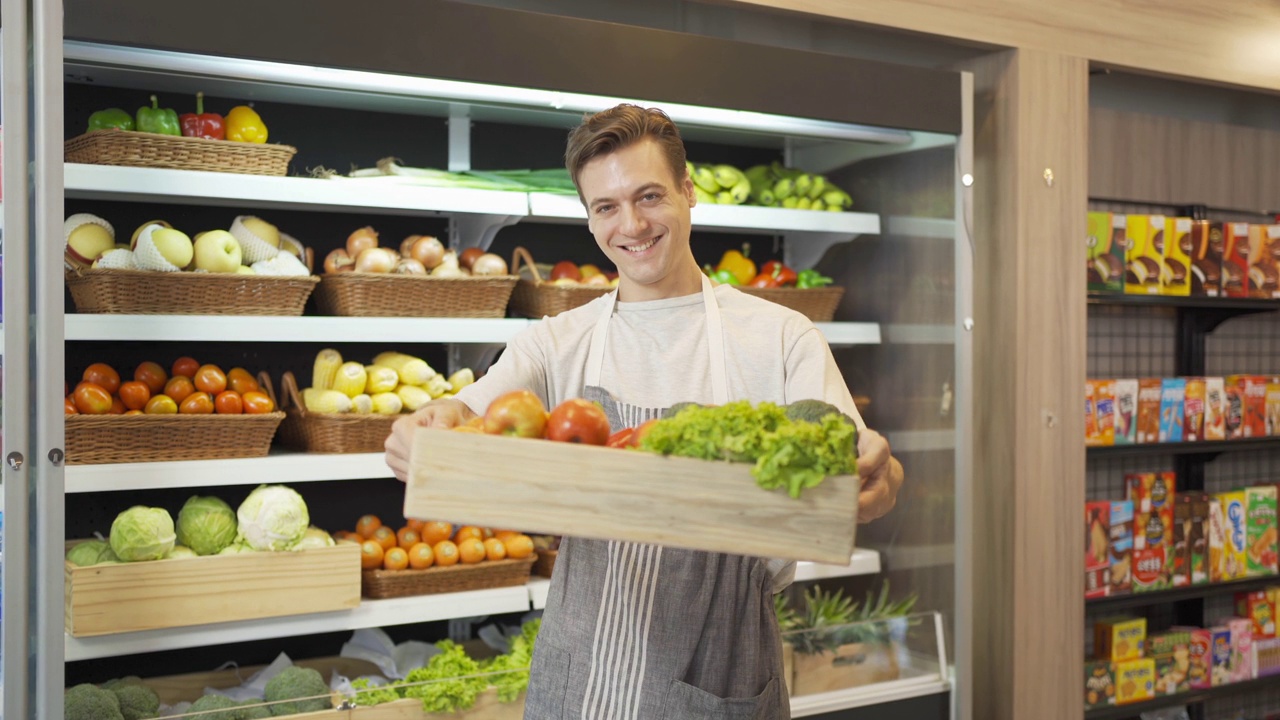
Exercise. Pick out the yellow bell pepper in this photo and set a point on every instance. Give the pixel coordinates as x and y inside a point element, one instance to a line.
<point>244,125</point>
<point>739,264</point>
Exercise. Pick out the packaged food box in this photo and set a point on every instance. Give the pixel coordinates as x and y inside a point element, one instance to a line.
<point>1090,414</point>
<point>1119,639</point>
<point>1175,271</point>
<point>1190,539</point>
<point>1253,399</point>
<point>1264,278</point>
<point>1099,421</point>
<point>1260,609</point>
<point>1260,530</point>
<point>1220,660</point>
<point>1266,655</point>
<point>1215,409</point>
<point>1171,651</point>
<point>1099,684</point>
<point>1242,667</point>
<point>1173,392</point>
<point>1135,681</point>
<point>1144,254</point>
<point>1200,652</point>
<point>1120,547</point>
<point>1273,407</point>
<point>1199,545</point>
<point>1234,416</point>
<point>1234,563</point>
<point>1097,558</point>
<point>1235,258</point>
<point>1153,498</point>
<point>1194,404</point>
<point>1181,575</point>
<point>1206,260</point>
<point>1149,394</point>
<point>1126,416</point>
<point>1106,248</point>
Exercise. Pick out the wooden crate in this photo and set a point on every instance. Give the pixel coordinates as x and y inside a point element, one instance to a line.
<point>848,666</point>
<point>127,597</point>
<point>597,492</point>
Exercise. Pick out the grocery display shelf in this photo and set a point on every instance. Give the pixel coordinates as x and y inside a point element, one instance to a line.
<point>1120,712</point>
<point>1208,447</point>
<point>278,467</point>
<point>921,227</point>
<point>922,334</point>
<point>849,333</point>
<point>921,440</point>
<point>1204,303</point>
<point>875,694</point>
<point>370,614</point>
<point>1162,597</point>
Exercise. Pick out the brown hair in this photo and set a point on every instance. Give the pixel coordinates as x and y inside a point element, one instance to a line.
<point>618,127</point>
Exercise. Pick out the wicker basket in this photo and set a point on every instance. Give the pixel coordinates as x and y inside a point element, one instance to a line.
<point>356,294</point>
<point>144,292</point>
<point>140,149</point>
<point>537,298</point>
<point>546,563</point>
<point>327,432</point>
<point>817,304</point>
<point>437,580</point>
<point>103,439</point>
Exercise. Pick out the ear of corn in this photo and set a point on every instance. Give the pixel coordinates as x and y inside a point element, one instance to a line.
<point>413,397</point>
<point>461,379</point>
<point>412,370</point>
<point>325,369</point>
<point>362,404</point>
<point>381,379</point>
<point>438,386</point>
<point>387,403</point>
<point>351,379</point>
<point>325,401</point>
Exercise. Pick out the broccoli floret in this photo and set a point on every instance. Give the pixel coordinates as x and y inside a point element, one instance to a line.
<point>90,702</point>
<point>813,411</point>
<point>675,409</point>
<point>257,712</point>
<point>137,702</point>
<point>121,682</point>
<point>215,707</point>
<point>294,684</point>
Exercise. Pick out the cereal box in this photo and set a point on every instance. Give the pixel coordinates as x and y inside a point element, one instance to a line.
<point>1119,639</point>
<point>1172,652</point>
<point>1264,278</point>
<point>1193,427</point>
<point>1254,423</point>
<point>1097,558</point>
<point>1190,539</point>
<point>1100,428</point>
<point>1173,392</point>
<point>1120,547</point>
<point>1175,275</point>
<point>1273,406</point>
<point>1105,247</point>
<point>1099,684</point>
<point>1200,653</point>
<point>1149,392</point>
<point>1206,260</point>
<point>1234,414</point>
<point>1144,253</point>
<point>1215,408</point>
<point>1260,530</point>
<point>1242,666</point>
<point>1235,560</point>
<point>1259,608</point>
<point>1135,681</point>
<point>1220,659</point>
<point>1235,258</point>
<point>1125,424</point>
<point>1266,656</point>
<point>1153,498</point>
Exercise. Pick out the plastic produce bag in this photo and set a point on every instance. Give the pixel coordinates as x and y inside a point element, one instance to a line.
<point>256,686</point>
<point>395,661</point>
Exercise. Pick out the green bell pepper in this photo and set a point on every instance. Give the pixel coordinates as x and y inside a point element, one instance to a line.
<point>156,119</point>
<point>111,119</point>
<point>725,277</point>
<point>811,279</point>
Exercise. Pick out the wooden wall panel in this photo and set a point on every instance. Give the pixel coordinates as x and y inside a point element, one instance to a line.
<point>1225,41</point>
<point>1030,115</point>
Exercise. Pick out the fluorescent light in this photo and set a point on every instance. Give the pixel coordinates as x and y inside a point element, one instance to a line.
<point>175,63</point>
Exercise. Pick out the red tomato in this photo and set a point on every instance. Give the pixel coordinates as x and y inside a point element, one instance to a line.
<point>153,375</point>
<point>104,376</point>
<point>197,403</point>
<point>179,387</point>
<point>578,421</point>
<point>210,379</point>
<point>92,399</point>
<point>519,413</point>
<point>241,381</point>
<point>135,394</point>
<point>257,403</point>
<point>228,402</point>
<point>69,406</point>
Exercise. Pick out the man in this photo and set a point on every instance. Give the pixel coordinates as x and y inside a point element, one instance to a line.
<point>640,631</point>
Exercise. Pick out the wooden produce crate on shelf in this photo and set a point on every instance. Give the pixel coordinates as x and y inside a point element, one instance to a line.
<point>546,563</point>
<point>327,432</point>
<point>104,439</point>
<point>356,294</point>
<point>147,292</point>
<point>587,491</point>
<point>142,149</point>
<point>851,665</point>
<point>817,304</point>
<point>536,298</point>
<point>128,597</point>
<point>455,578</point>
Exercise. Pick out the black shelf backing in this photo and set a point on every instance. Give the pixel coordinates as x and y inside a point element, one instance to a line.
<point>1120,712</point>
<point>1206,448</point>
<point>1173,595</point>
<point>1244,305</point>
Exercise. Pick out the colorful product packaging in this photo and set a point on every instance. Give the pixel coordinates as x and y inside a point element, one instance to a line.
<point>1149,393</point>
<point>1120,546</point>
<point>1090,415</point>
<point>1206,260</point>
<point>1181,576</point>
<point>1215,409</point>
<point>1235,560</point>
<point>1199,545</point>
<point>1153,498</point>
<point>1254,423</point>
<point>1234,415</point>
<point>1106,247</point>
<point>1100,428</point>
<point>1220,659</point>
<point>1260,530</point>
<point>1173,393</point>
<point>1135,681</point>
<point>1144,254</point>
<point>1172,652</point>
<point>1126,411</point>
<point>1264,278</point>
<point>1097,558</point>
<point>1190,539</point>
<point>1099,684</point>
<point>1119,639</point>
<point>1235,259</point>
<point>1242,665</point>
<point>1194,406</point>
<point>1260,609</point>
<point>1217,541</point>
<point>1200,653</point>
<point>1266,655</point>
<point>1273,407</point>
<point>1175,273</point>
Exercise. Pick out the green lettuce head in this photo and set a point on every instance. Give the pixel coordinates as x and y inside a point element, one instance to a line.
<point>90,552</point>
<point>273,517</point>
<point>142,533</point>
<point>207,525</point>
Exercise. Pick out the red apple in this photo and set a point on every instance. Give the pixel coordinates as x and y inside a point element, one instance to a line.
<point>566,270</point>
<point>519,413</point>
<point>578,421</point>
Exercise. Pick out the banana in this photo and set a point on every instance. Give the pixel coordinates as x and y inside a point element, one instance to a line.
<point>790,202</point>
<point>704,196</point>
<point>818,187</point>
<point>804,181</point>
<point>760,175</point>
<point>763,196</point>
<point>727,176</point>
<point>742,191</point>
<point>351,379</point>
<point>834,208</point>
<point>818,205</point>
<point>326,368</point>
<point>724,197</point>
<point>704,178</point>
<point>784,188</point>
<point>836,197</point>
<point>804,203</point>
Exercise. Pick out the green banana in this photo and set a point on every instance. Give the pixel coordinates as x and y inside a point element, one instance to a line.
<point>742,191</point>
<point>818,187</point>
<point>727,176</point>
<point>724,197</point>
<point>760,175</point>
<point>818,205</point>
<point>803,183</point>
<point>790,202</point>
<point>804,203</point>
<point>704,178</point>
<point>703,196</point>
<point>836,197</point>
<point>834,208</point>
<point>784,188</point>
<point>763,196</point>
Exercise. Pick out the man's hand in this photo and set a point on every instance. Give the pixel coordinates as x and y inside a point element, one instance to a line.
<point>443,414</point>
<point>881,476</point>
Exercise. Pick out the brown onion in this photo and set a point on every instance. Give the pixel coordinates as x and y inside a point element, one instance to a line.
<point>469,256</point>
<point>489,264</point>
<point>427,250</point>
<point>338,261</point>
<point>361,240</point>
<point>376,260</point>
<point>409,266</point>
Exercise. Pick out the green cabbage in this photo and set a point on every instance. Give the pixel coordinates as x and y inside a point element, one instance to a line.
<point>314,537</point>
<point>142,533</point>
<point>180,551</point>
<point>273,517</point>
<point>206,525</point>
<point>90,552</point>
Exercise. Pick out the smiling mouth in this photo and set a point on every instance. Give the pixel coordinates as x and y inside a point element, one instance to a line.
<point>637,249</point>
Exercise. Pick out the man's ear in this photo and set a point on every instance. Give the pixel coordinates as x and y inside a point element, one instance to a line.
<point>687,186</point>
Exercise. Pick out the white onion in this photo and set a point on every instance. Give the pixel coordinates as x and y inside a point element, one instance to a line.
<point>376,260</point>
<point>338,261</point>
<point>409,266</point>
<point>427,250</point>
<point>361,240</point>
<point>489,264</point>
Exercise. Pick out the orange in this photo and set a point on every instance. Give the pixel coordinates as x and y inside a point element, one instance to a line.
<point>367,524</point>
<point>421,557</point>
<point>396,558</point>
<point>385,536</point>
<point>415,523</point>
<point>185,366</point>
<point>135,394</point>
<point>471,550</point>
<point>210,379</point>
<point>436,531</point>
<point>407,537</point>
<point>241,381</point>
<point>152,375</point>
<point>228,402</point>
<point>370,555</point>
<point>505,535</point>
<point>494,549</point>
<point>104,376</point>
<point>257,403</point>
<point>179,387</point>
<point>519,547</point>
<point>161,405</point>
<point>196,404</point>
<point>446,553</point>
<point>468,531</point>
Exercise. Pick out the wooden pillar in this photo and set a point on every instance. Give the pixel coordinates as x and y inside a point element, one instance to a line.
<point>1030,204</point>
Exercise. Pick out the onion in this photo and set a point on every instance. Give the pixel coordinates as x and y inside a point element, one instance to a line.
<point>409,266</point>
<point>338,261</point>
<point>376,260</point>
<point>469,256</point>
<point>448,271</point>
<point>489,264</point>
<point>361,240</point>
<point>427,250</point>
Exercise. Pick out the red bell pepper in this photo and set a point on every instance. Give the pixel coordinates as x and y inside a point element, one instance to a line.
<point>784,275</point>
<point>202,124</point>
<point>764,280</point>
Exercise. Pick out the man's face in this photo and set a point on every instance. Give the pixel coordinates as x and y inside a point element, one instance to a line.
<point>639,215</point>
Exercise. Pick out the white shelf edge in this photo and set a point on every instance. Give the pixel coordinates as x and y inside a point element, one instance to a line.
<point>850,333</point>
<point>370,614</point>
<point>940,228</point>
<point>283,467</point>
<point>875,694</point>
<point>909,334</point>
<point>309,328</point>
<point>921,440</point>
<point>539,588</point>
<point>914,557</point>
<point>862,562</point>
